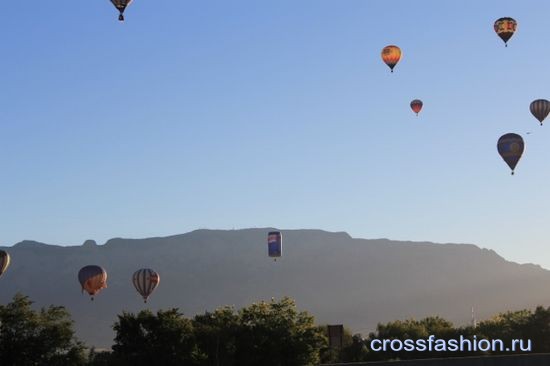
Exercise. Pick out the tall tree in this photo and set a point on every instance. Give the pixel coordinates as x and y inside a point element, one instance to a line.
<point>165,338</point>
<point>275,334</point>
<point>38,338</point>
<point>217,334</point>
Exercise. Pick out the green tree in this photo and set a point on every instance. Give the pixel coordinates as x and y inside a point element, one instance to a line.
<point>267,334</point>
<point>216,335</point>
<point>275,334</point>
<point>524,325</point>
<point>37,338</point>
<point>353,348</point>
<point>505,326</point>
<point>102,358</point>
<point>538,330</point>
<point>414,330</point>
<point>146,339</point>
<point>355,351</point>
<point>326,353</point>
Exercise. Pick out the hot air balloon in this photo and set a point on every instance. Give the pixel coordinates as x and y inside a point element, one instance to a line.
<point>510,146</point>
<point>391,56</point>
<point>4,261</point>
<point>145,281</point>
<point>540,109</point>
<point>505,28</point>
<point>121,6</point>
<point>274,244</point>
<point>416,106</point>
<point>92,279</point>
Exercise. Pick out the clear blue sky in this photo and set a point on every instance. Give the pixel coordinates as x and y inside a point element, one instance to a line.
<point>222,114</point>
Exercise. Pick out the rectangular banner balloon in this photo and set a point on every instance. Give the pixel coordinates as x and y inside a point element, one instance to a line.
<point>274,244</point>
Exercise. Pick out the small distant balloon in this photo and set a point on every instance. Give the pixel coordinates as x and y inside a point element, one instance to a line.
<point>416,106</point>
<point>505,28</point>
<point>540,109</point>
<point>274,244</point>
<point>93,279</point>
<point>391,56</point>
<point>145,281</point>
<point>4,261</point>
<point>510,147</point>
<point>121,6</point>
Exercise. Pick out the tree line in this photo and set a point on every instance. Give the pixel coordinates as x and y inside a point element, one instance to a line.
<point>271,333</point>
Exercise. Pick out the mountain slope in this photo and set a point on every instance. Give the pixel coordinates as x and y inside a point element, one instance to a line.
<point>339,279</point>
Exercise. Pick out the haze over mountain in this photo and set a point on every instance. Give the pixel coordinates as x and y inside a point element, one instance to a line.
<point>339,279</point>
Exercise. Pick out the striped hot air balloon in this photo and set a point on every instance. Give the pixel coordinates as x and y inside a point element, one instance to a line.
<point>93,279</point>
<point>274,244</point>
<point>505,28</point>
<point>145,281</point>
<point>391,56</point>
<point>510,147</point>
<point>4,261</point>
<point>121,6</point>
<point>416,106</point>
<point>540,109</point>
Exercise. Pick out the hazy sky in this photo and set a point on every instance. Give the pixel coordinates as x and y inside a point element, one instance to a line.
<point>222,114</point>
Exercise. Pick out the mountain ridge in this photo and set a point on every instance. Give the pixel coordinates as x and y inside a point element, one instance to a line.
<point>339,279</point>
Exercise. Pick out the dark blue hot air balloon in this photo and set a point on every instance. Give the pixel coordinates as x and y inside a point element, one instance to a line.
<point>510,147</point>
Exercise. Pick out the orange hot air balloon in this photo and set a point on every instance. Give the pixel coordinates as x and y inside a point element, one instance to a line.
<point>416,106</point>
<point>92,279</point>
<point>505,28</point>
<point>391,56</point>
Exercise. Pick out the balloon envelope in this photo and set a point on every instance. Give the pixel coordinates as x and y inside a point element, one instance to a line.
<point>540,109</point>
<point>93,279</point>
<point>274,244</point>
<point>391,56</point>
<point>505,28</point>
<point>145,281</point>
<point>510,147</point>
<point>121,6</point>
<point>4,261</point>
<point>416,106</point>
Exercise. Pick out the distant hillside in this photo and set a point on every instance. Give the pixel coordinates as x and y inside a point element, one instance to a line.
<point>339,279</point>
